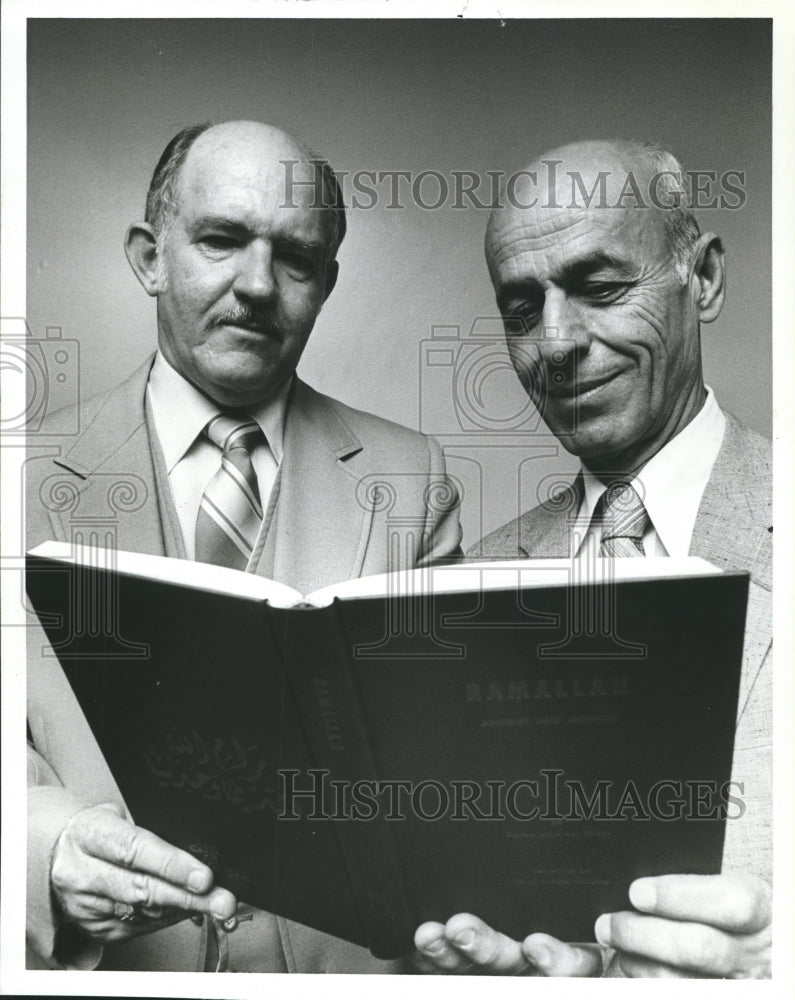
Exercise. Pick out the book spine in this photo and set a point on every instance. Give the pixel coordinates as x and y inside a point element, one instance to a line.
<point>336,729</point>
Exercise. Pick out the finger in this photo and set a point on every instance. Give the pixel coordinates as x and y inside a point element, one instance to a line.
<point>733,901</point>
<point>88,908</point>
<point>101,879</point>
<point>430,941</point>
<point>423,964</point>
<point>139,911</point>
<point>104,834</point>
<point>556,958</point>
<point>102,923</point>
<point>427,933</point>
<point>145,923</point>
<point>492,952</point>
<point>681,944</point>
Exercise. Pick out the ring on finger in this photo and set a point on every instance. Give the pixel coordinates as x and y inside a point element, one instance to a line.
<point>133,914</point>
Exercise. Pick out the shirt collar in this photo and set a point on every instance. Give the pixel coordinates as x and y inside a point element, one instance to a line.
<point>181,412</point>
<point>672,481</point>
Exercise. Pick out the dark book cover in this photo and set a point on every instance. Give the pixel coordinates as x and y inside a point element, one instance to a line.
<point>366,766</point>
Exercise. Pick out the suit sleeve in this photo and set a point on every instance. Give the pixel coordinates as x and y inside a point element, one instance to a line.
<point>52,796</point>
<point>443,528</point>
<point>749,834</point>
<point>50,807</point>
<point>66,773</point>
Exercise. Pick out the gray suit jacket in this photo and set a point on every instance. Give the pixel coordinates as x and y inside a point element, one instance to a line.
<point>733,530</point>
<point>328,520</point>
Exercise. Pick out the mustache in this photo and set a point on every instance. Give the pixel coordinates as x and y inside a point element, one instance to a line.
<point>250,318</point>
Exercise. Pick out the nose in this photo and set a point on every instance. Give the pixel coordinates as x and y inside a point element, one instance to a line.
<point>254,277</point>
<point>565,332</point>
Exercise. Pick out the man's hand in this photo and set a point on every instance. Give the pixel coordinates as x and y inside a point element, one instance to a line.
<point>693,925</point>
<point>688,926</point>
<point>467,946</point>
<point>103,866</point>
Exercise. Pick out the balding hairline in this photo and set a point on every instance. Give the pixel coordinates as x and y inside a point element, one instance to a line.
<point>671,197</point>
<point>681,226</point>
<point>162,196</point>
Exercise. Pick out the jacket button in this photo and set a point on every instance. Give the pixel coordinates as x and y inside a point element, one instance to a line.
<point>230,924</point>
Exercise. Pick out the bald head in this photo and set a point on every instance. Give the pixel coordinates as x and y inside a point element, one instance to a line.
<point>606,176</point>
<point>221,146</point>
<point>238,249</point>
<point>603,279</point>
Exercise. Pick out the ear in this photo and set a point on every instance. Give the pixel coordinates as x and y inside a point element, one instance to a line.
<point>332,272</point>
<point>140,245</point>
<point>708,278</point>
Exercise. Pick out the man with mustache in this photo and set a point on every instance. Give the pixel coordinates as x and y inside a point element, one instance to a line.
<point>603,294</point>
<point>240,264</point>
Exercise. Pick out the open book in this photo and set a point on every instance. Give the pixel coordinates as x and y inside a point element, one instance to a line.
<point>518,740</point>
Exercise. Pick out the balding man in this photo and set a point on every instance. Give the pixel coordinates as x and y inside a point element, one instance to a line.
<point>240,259</point>
<point>603,281</point>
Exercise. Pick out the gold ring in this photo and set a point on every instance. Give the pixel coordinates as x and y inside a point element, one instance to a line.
<point>133,915</point>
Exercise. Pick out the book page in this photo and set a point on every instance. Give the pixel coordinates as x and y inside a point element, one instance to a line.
<point>509,575</point>
<point>181,572</point>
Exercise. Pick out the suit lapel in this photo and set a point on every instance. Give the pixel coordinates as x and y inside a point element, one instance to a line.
<point>546,531</point>
<point>318,526</point>
<point>110,465</point>
<point>108,471</point>
<point>733,531</point>
<point>737,494</point>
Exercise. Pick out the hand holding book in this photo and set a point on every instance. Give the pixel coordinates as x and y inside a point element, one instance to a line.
<point>113,880</point>
<point>540,778</point>
<point>682,926</point>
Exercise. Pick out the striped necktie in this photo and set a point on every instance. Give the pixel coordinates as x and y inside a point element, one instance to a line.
<point>230,513</point>
<point>623,520</point>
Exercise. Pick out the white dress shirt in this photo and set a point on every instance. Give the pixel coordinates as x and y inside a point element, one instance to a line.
<point>181,412</point>
<point>670,485</point>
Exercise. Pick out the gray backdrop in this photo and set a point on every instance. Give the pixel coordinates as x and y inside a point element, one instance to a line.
<point>105,97</point>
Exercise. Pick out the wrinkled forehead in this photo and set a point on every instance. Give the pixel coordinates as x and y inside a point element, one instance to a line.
<point>544,240</point>
<point>548,219</point>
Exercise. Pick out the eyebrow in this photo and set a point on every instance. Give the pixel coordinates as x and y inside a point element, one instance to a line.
<point>301,242</point>
<point>575,270</point>
<point>572,271</point>
<point>216,222</point>
<point>223,222</point>
<point>596,261</point>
